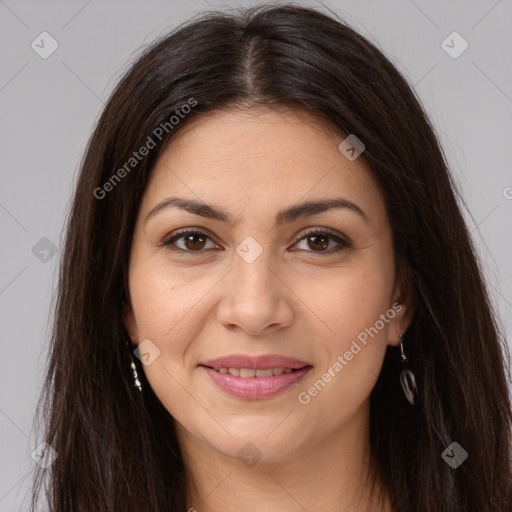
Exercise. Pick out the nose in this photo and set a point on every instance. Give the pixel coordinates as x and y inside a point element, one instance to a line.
<point>256,300</point>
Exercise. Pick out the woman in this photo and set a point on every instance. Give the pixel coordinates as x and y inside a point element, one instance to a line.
<point>268,296</point>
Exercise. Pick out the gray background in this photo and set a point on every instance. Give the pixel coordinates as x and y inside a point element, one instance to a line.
<point>48,108</point>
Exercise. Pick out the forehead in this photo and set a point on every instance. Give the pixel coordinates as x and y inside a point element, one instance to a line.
<point>260,158</point>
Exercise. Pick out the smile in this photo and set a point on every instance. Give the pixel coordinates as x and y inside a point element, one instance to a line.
<point>252,384</point>
<point>251,372</point>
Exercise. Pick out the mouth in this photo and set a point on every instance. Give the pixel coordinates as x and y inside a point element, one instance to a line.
<point>255,384</point>
<point>248,373</point>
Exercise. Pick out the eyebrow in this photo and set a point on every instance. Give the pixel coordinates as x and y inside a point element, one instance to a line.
<point>287,215</point>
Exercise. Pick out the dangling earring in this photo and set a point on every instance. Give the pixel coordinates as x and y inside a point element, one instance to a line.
<point>135,375</point>
<point>407,378</point>
<point>136,380</point>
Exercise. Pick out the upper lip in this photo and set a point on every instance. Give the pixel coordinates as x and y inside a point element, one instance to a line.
<point>263,362</point>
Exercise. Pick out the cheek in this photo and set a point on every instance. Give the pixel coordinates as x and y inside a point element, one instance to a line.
<point>166,298</point>
<point>349,300</point>
<point>170,308</point>
<point>350,360</point>
<point>354,308</point>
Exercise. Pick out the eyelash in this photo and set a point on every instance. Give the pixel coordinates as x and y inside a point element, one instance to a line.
<point>331,234</point>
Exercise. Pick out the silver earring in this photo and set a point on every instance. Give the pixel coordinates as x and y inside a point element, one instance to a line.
<point>407,378</point>
<point>135,375</point>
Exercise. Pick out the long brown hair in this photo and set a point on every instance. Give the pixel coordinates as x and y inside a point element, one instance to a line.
<point>117,449</point>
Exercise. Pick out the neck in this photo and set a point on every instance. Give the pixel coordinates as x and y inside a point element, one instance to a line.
<point>329,476</point>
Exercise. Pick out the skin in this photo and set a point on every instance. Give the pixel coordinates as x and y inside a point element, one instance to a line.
<point>293,300</point>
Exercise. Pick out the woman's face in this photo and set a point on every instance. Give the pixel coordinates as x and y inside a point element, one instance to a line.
<point>301,321</point>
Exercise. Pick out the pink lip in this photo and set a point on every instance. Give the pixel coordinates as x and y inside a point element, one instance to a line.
<point>255,388</point>
<point>263,362</point>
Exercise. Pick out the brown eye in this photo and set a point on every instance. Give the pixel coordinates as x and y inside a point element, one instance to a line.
<point>195,241</point>
<point>189,241</point>
<point>320,241</point>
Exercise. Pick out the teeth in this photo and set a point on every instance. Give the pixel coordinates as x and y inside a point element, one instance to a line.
<point>251,372</point>
<point>264,373</point>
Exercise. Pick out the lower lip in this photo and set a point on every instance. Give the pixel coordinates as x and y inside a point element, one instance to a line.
<point>255,388</point>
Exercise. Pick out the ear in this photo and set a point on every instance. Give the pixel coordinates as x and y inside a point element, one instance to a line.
<point>403,305</point>
<point>130,324</point>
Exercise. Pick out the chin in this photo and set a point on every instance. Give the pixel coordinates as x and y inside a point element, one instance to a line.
<point>258,444</point>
